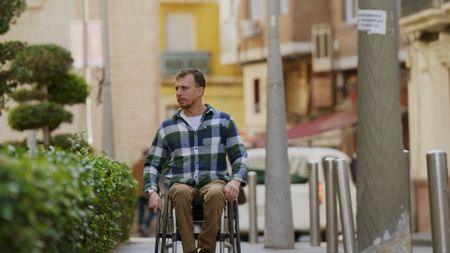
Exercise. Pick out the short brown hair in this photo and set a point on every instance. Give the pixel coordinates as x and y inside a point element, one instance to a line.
<point>196,73</point>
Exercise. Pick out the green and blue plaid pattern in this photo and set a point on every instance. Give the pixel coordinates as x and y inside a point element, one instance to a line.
<point>196,157</point>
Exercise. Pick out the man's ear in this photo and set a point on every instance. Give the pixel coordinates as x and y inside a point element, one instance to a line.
<point>202,90</point>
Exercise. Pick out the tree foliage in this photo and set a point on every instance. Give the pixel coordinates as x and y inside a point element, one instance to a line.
<point>25,95</point>
<point>8,51</point>
<point>34,116</point>
<point>49,86</point>
<point>9,11</point>
<point>69,90</point>
<point>42,65</point>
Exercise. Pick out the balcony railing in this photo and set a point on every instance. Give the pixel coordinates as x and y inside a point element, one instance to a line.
<point>410,7</point>
<point>172,62</point>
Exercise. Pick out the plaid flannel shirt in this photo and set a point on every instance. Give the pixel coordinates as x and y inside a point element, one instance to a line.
<point>196,157</point>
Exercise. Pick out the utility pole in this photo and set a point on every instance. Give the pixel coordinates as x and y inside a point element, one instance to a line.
<point>383,215</point>
<point>86,72</point>
<point>108,130</point>
<point>279,228</point>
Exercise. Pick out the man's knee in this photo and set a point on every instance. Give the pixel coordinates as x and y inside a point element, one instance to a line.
<point>215,192</point>
<point>181,192</point>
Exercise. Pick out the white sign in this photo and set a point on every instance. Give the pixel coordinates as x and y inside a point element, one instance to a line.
<point>372,21</point>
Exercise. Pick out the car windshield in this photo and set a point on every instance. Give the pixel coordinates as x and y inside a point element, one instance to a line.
<point>298,168</point>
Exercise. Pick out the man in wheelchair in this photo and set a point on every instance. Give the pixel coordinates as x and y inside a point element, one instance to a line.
<point>194,144</point>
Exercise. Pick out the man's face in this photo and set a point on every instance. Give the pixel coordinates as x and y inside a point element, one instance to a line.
<point>187,91</point>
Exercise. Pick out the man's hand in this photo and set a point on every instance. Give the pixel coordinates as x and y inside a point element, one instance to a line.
<point>154,202</point>
<point>231,190</point>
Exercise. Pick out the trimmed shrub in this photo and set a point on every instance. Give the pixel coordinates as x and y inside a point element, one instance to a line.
<point>59,141</point>
<point>114,204</point>
<point>58,201</point>
<point>33,116</point>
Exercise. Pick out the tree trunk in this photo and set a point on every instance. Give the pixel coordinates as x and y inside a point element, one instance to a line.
<point>46,136</point>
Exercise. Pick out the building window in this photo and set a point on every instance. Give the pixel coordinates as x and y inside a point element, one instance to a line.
<point>255,9</point>
<point>256,96</point>
<point>350,11</point>
<point>180,32</point>
<point>284,6</point>
<point>321,40</point>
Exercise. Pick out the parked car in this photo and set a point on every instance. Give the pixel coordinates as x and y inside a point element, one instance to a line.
<point>298,159</point>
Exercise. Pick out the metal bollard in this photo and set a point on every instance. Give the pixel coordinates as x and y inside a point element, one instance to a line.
<point>412,192</point>
<point>439,203</point>
<point>253,226</point>
<point>345,205</point>
<point>331,211</point>
<point>314,216</point>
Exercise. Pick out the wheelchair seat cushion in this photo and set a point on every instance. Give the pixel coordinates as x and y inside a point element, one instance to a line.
<point>197,208</point>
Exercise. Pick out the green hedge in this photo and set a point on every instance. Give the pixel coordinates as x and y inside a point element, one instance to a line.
<point>60,141</point>
<point>59,201</point>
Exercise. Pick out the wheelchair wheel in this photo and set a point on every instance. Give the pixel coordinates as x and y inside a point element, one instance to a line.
<point>237,229</point>
<point>162,228</point>
<point>233,227</point>
<point>158,231</point>
<point>230,225</point>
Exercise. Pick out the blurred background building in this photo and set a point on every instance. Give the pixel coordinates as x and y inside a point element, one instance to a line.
<point>425,30</point>
<point>318,43</point>
<point>190,37</point>
<point>134,61</point>
<point>44,22</point>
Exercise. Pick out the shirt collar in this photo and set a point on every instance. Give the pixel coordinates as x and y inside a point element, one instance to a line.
<point>209,109</point>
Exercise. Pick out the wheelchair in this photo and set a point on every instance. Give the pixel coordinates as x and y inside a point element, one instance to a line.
<point>168,236</point>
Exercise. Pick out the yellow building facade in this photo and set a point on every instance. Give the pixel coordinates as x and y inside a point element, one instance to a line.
<point>190,37</point>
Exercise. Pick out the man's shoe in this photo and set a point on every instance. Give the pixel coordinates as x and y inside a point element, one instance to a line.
<point>203,251</point>
<point>142,231</point>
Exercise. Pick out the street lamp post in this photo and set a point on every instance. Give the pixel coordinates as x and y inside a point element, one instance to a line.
<point>383,212</point>
<point>108,130</point>
<point>86,72</point>
<point>279,231</point>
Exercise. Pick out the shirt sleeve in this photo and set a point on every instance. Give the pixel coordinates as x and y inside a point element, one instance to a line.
<point>237,154</point>
<point>154,162</point>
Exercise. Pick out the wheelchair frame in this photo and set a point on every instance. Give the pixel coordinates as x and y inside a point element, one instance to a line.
<point>168,236</point>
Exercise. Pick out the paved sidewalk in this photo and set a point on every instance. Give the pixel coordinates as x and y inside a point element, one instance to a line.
<point>146,245</point>
<point>142,245</point>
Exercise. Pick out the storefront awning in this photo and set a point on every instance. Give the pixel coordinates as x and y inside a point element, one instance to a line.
<point>322,124</point>
<point>314,127</point>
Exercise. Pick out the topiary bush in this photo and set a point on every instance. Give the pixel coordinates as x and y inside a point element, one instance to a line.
<point>34,116</point>
<point>47,86</point>
<point>58,201</point>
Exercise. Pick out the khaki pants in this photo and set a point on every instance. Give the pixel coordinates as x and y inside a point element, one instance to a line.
<point>181,196</point>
